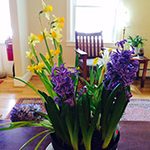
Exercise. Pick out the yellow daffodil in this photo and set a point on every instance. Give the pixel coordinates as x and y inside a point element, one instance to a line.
<point>47,56</point>
<point>47,9</point>
<point>39,67</point>
<point>55,52</point>
<point>40,37</point>
<point>56,35</point>
<point>29,55</point>
<point>30,68</point>
<point>53,33</point>
<point>78,68</point>
<point>47,34</point>
<point>58,22</point>
<point>61,22</point>
<point>95,61</point>
<point>110,49</point>
<point>105,57</point>
<point>33,39</point>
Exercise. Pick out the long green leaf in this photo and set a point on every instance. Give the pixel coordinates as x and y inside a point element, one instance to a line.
<point>33,138</point>
<point>40,142</point>
<point>60,59</point>
<point>54,115</point>
<point>46,63</point>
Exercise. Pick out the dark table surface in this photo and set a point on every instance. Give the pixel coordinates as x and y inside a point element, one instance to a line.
<point>134,136</point>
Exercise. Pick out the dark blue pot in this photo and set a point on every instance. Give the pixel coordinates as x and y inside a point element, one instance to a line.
<point>96,144</point>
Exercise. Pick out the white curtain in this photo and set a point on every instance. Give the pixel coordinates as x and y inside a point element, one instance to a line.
<point>5,25</point>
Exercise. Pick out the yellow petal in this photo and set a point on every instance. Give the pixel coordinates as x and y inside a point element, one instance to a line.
<point>40,37</point>
<point>54,35</point>
<point>95,61</point>
<point>30,68</point>
<point>48,8</point>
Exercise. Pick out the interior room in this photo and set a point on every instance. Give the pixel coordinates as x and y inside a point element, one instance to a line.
<point>119,20</point>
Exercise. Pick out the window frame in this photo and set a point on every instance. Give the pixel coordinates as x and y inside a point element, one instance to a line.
<point>71,23</point>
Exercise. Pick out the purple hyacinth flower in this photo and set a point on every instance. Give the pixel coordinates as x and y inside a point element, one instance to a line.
<point>26,112</point>
<point>121,43</point>
<point>121,69</point>
<point>63,83</point>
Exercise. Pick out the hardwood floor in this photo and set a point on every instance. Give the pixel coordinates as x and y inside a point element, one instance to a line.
<point>10,94</point>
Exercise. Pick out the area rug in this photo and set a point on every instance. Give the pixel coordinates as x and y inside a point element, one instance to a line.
<point>136,110</point>
<point>37,101</point>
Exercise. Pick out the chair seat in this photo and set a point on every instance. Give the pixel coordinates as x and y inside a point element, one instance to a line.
<point>89,62</point>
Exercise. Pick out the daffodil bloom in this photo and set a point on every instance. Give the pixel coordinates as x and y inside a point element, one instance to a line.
<point>30,68</point>
<point>105,57</point>
<point>29,55</point>
<point>95,61</point>
<point>53,33</point>
<point>39,67</point>
<point>47,9</point>
<point>78,68</point>
<point>61,22</point>
<point>47,56</point>
<point>55,52</point>
<point>33,39</point>
<point>110,49</point>
<point>58,22</point>
<point>40,37</point>
<point>56,35</point>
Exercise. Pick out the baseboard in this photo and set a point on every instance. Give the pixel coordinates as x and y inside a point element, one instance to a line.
<point>26,77</point>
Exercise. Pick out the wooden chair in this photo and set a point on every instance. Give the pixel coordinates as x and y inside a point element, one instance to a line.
<point>88,47</point>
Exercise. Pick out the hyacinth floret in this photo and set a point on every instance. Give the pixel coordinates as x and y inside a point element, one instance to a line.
<point>63,84</point>
<point>121,69</point>
<point>26,112</point>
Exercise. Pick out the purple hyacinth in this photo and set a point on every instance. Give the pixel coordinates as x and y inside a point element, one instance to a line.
<point>26,112</point>
<point>121,43</point>
<point>121,69</point>
<point>63,84</point>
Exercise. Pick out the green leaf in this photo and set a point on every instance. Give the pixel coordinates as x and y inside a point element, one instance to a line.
<point>48,50</point>
<point>91,75</point>
<point>55,117</point>
<point>77,61</point>
<point>33,138</point>
<point>46,63</point>
<point>60,59</point>
<point>40,142</point>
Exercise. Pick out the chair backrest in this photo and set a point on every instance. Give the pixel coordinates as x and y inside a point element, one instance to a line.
<point>91,43</point>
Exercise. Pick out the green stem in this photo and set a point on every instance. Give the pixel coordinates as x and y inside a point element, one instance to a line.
<point>34,53</point>
<point>48,50</point>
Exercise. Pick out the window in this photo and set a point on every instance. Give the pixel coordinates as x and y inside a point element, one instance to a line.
<point>5,26</point>
<point>92,16</point>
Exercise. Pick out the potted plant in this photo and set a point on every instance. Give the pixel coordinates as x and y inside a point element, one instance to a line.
<point>137,43</point>
<point>84,118</point>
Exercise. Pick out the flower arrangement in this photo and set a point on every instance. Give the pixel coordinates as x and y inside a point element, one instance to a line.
<point>77,118</point>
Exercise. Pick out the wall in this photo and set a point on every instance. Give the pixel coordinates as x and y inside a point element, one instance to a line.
<point>138,24</point>
<point>60,9</point>
<point>5,65</point>
<point>19,21</point>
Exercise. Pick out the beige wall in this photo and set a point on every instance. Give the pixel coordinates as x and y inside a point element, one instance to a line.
<point>139,11</point>
<point>139,23</point>
<point>19,23</point>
